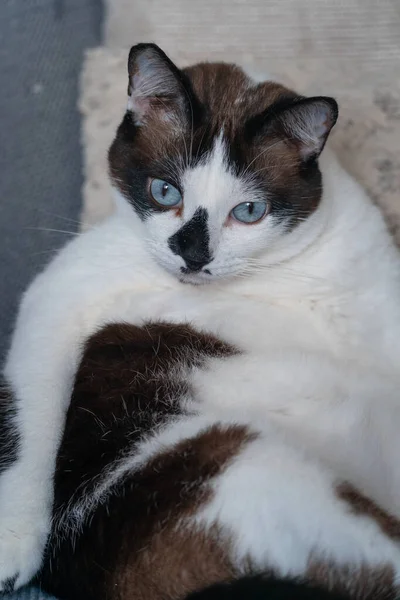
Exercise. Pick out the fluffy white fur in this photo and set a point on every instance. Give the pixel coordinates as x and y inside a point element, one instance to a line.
<point>317,314</point>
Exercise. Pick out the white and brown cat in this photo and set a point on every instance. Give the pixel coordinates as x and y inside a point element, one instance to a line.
<point>230,339</point>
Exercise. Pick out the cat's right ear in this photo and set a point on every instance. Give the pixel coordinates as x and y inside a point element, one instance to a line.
<point>156,86</point>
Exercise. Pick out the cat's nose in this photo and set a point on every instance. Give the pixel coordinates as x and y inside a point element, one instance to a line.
<point>191,242</point>
<point>192,250</point>
<point>195,265</point>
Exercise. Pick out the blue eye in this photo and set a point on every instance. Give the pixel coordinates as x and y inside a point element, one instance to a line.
<point>249,212</point>
<point>165,194</point>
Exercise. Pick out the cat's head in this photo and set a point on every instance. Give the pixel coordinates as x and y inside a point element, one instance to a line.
<point>221,170</point>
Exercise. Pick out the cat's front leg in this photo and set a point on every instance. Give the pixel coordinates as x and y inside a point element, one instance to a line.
<point>24,523</point>
<point>38,375</point>
<point>58,313</point>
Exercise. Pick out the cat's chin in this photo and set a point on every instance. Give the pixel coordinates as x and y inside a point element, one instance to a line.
<point>202,277</point>
<point>194,279</point>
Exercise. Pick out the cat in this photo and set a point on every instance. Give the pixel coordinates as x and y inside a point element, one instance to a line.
<point>217,363</point>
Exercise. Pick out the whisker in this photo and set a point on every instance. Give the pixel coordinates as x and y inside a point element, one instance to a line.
<point>202,139</point>
<point>63,218</point>
<point>52,251</point>
<point>52,230</point>
<point>276,165</point>
<point>192,125</point>
<point>260,154</point>
<point>289,274</point>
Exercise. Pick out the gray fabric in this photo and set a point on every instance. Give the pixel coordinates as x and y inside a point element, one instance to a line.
<point>41,51</point>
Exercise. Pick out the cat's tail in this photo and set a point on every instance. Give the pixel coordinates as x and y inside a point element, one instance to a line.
<point>264,588</point>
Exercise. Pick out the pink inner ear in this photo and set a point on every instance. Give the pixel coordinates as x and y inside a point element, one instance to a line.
<point>150,78</point>
<point>324,120</point>
<point>310,124</point>
<point>139,105</point>
<point>138,101</point>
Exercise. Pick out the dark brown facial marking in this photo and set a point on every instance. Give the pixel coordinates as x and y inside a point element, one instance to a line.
<point>271,133</point>
<point>131,381</point>
<point>358,583</point>
<point>362,505</point>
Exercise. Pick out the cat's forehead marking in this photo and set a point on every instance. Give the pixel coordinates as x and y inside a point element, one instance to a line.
<point>211,183</point>
<point>230,96</point>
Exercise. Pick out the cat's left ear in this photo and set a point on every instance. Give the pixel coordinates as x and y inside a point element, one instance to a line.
<point>156,85</point>
<point>306,123</point>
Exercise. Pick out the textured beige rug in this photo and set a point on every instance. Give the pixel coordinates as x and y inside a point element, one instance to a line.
<point>346,48</point>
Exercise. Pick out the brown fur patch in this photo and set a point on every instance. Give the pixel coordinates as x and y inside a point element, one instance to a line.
<point>133,547</point>
<point>126,387</point>
<point>176,563</point>
<point>174,559</point>
<point>362,505</point>
<point>359,583</point>
<point>230,98</point>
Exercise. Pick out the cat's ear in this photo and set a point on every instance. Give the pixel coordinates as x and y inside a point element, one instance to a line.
<point>155,83</point>
<point>306,123</point>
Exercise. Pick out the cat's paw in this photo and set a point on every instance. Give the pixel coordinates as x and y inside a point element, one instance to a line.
<point>22,545</point>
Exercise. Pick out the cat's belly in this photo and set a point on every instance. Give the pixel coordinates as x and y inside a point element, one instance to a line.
<point>281,508</point>
<point>339,413</point>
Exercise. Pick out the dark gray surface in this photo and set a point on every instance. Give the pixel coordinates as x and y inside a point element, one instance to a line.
<point>28,594</point>
<point>41,50</point>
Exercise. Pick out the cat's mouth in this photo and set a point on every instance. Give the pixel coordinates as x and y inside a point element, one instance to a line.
<point>191,276</point>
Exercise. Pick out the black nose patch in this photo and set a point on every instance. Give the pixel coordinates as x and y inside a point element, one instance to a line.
<point>192,241</point>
